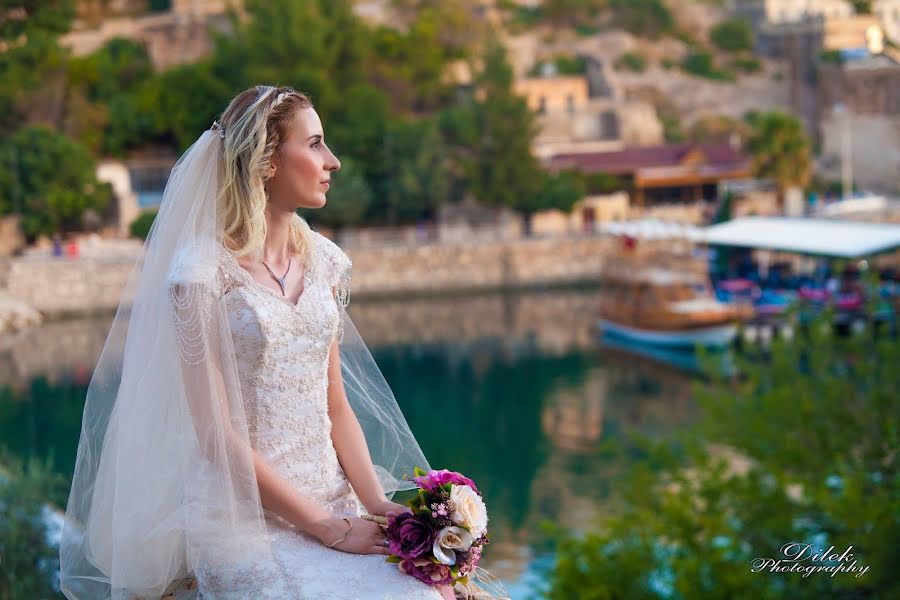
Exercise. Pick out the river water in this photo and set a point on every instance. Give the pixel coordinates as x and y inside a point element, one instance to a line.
<point>532,394</point>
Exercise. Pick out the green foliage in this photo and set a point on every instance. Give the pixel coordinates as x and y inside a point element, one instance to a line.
<point>603,183</point>
<point>490,136</point>
<point>572,12</point>
<point>140,227</point>
<point>862,7</point>
<point>50,179</point>
<point>732,35</point>
<point>780,148</point>
<point>672,130</point>
<point>564,65</point>
<point>748,64</point>
<point>558,191</point>
<point>702,64</point>
<point>800,447</point>
<point>646,18</point>
<point>632,62</point>
<point>831,56</point>
<point>32,63</point>
<point>29,561</point>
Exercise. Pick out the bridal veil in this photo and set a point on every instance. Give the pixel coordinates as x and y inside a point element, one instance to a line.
<point>164,478</point>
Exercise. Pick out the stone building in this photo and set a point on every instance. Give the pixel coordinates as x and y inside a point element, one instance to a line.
<point>888,13</point>
<point>586,113</point>
<point>177,32</point>
<point>676,179</point>
<point>859,119</point>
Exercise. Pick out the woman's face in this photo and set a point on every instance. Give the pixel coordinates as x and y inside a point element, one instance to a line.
<point>302,165</point>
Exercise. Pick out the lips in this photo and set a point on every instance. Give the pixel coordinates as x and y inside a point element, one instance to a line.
<point>326,184</point>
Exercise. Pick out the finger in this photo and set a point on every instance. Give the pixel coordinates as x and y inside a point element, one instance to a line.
<point>380,550</point>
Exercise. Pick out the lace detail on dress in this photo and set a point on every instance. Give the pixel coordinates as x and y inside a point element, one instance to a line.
<point>337,266</point>
<point>281,353</point>
<point>194,284</point>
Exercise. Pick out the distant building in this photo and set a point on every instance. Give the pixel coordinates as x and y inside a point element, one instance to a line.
<point>585,113</point>
<point>888,13</point>
<point>175,34</point>
<point>663,175</point>
<point>859,119</point>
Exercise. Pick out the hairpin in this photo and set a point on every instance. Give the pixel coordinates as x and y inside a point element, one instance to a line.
<point>216,126</point>
<point>279,98</point>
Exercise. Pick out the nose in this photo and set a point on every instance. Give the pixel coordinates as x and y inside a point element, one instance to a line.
<point>334,164</point>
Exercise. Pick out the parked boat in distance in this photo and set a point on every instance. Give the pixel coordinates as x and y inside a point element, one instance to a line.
<point>671,309</point>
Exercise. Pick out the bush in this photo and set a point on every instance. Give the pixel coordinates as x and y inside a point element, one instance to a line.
<point>647,18</point>
<point>733,35</point>
<point>632,62</point>
<point>140,227</point>
<point>746,64</point>
<point>701,64</point>
<point>28,560</point>
<point>800,447</point>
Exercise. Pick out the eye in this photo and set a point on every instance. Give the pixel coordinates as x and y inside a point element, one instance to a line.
<point>316,145</point>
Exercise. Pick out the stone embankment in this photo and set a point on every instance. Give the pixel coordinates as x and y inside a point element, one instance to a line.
<point>60,286</point>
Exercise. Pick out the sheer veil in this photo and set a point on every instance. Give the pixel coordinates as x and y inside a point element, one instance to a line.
<point>164,479</point>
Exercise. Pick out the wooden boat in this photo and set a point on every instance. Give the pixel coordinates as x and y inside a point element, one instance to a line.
<point>671,309</point>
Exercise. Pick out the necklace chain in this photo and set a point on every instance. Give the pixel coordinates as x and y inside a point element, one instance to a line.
<point>279,280</point>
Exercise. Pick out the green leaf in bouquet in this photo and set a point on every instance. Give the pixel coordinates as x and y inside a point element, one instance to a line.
<point>463,580</point>
<point>393,558</point>
<point>419,472</point>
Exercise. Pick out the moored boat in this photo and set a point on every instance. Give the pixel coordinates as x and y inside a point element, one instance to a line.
<point>668,309</point>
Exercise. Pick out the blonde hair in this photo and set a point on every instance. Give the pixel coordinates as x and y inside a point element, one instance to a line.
<point>255,123</point>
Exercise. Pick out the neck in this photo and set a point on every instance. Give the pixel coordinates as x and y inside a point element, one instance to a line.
<point>278,229</point>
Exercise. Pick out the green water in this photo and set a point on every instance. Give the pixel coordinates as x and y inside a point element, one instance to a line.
<point>514,390</point>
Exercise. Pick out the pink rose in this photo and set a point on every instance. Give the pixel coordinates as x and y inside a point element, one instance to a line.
<point>426,571</point>
<point>434,479</point>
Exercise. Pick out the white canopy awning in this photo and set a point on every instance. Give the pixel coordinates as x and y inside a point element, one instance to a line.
<point>822,237</point>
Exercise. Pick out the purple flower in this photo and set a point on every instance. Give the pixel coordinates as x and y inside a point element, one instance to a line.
<point>425,570</point>
<point>434,479</point>
<point>410,536</point>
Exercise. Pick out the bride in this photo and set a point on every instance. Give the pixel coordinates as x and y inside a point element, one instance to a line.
<point>236,428</point>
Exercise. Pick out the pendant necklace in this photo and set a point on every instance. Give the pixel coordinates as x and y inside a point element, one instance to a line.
<point>279,280</point>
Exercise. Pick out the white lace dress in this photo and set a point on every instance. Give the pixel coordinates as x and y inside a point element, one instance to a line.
<point>282,357</point>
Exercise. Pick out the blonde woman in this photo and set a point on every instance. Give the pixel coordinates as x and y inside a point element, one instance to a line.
<point>236,428</point>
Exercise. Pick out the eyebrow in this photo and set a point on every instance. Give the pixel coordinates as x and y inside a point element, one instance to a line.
<point>314,136</point>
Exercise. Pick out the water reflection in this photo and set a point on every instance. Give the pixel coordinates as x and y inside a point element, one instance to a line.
<point>531,395</point>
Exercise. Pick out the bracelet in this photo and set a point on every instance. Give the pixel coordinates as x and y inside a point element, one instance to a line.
<point>350,523</point>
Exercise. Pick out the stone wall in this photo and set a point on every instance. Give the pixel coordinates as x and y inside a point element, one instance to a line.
<point>63,286</point>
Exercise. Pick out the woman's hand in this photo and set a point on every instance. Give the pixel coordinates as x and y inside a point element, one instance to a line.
<point>363,537</point>
<point>386,506</point>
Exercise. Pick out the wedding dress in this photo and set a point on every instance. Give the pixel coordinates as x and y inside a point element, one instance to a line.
<point>203,369</point>
<point>282,352</point>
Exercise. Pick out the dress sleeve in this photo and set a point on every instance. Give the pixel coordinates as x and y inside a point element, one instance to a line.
<point>336,267</point>
<point>194,285</point>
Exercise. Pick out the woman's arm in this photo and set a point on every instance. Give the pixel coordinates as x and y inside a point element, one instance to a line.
<point>349,440</point>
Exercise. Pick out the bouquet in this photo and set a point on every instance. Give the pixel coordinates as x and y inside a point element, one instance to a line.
<point>440,541</point>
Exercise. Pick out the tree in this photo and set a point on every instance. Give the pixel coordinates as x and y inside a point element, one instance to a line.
<point>781,150</point>
<point>732,35</point>
<point>490,137</point>
<point>51,179</point>
<point>32,63</point>
<point>559,191</point>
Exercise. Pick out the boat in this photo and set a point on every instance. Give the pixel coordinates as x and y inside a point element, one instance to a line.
<point>669,309</point>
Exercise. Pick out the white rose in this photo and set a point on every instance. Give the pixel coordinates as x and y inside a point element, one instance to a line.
<point>449,539</point>
<point>469,509</point>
